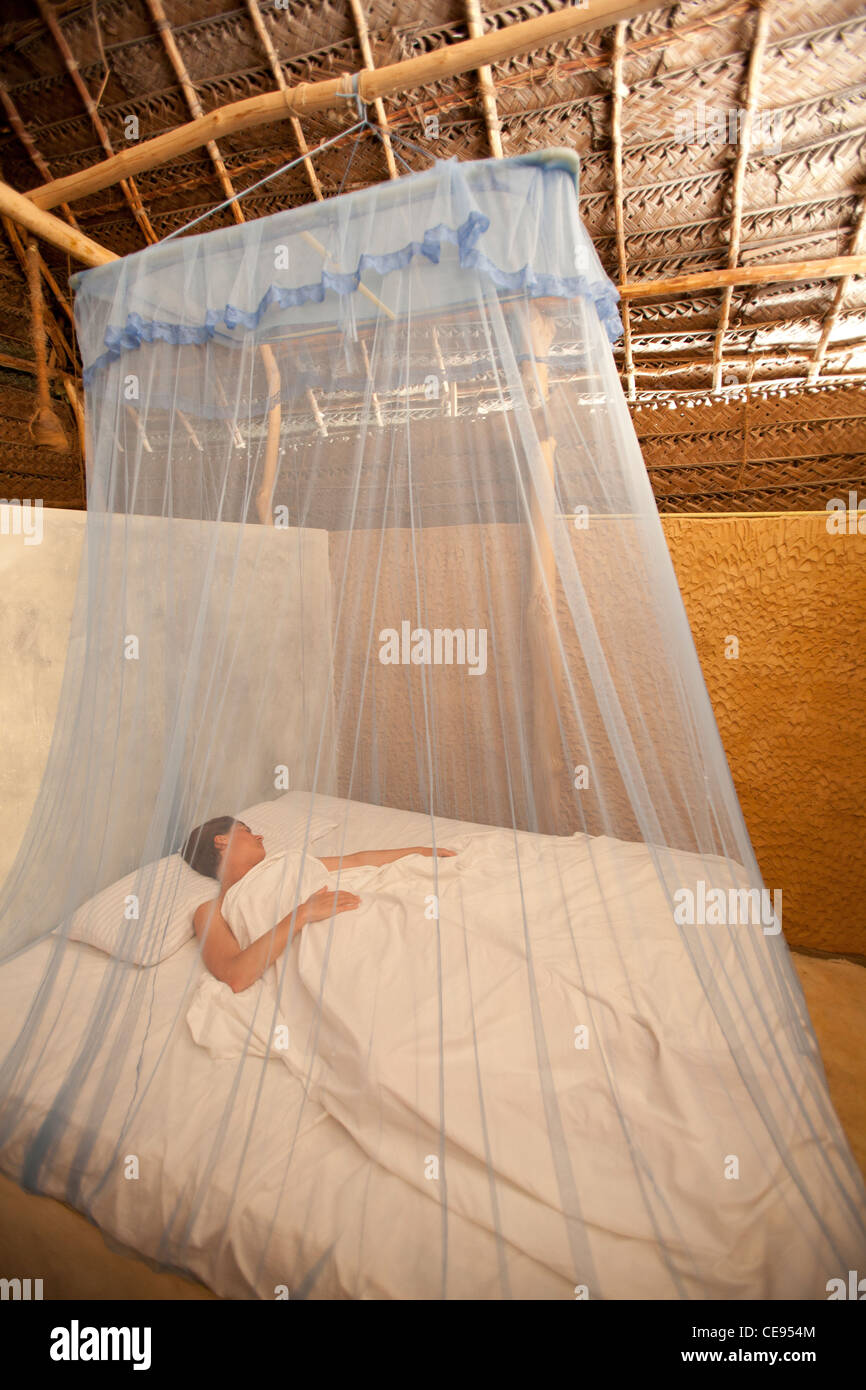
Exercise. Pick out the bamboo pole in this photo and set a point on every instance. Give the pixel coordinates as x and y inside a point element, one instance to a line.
<point>317,413</point>
<point>446,61</point>
<point>234,433</point>
<point>369,373</point>
<point>44,425</point>
<point>190,431</point>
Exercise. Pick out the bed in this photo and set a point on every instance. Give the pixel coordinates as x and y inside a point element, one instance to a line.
<point>346,1220</point>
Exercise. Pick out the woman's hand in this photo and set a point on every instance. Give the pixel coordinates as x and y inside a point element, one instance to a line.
<point>325,903</point>
<point>429,851</point>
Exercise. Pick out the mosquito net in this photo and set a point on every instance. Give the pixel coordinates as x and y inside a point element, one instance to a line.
<point>492,1001</point>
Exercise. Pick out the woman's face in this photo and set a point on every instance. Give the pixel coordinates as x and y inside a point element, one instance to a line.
<point>241,850</point>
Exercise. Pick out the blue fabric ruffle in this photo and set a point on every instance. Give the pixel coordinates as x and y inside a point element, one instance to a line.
<point>138,330</point>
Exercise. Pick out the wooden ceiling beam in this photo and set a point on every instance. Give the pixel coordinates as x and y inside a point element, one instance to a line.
<point>52,327</point>
<point>14,117</point>
<point>835,311</point>
<point>175,57</point>
<point>260,25</point>
<point>619,91</point>
<point>43,224</point>
<point>29,144</point>
<point>446,61</point>
<point>22,364</point>
<point>363,33</point>
<point>753,87</point>
<point>49,280</point>
<point>487,86</point>
<point>780,272</point>
<point>130,192</point>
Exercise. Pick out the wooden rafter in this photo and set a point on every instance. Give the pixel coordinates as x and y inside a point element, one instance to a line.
<point>261,27</point>
<point>13,115</point>
<point>175,57</point>
<point>52,327</point>
<point>71,390</point>
<point>753,87</point>
<point>29,144</point>
<point>619,91</point>
<point>363,33</point>
<point>487,86</point>
<point>130,192</point>
<point>700,331</point>
<point>858,240</point>
<point>785,352</point>
<point>46,274</point>
<point>180,69</point>
<point>23,364</point>
<point>449,60</point>
<point>780,272</point>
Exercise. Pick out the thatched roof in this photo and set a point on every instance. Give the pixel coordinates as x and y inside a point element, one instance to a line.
<point>763,386</point>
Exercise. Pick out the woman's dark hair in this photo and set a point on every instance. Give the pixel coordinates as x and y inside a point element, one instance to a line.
<point>200,852</point>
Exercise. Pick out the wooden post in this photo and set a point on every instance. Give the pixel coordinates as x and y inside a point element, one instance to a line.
<point>265,494</point>
<point>78,411</point>
<point>547,768</point>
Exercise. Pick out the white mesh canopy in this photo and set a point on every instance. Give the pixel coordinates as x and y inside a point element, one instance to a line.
<point>373,568</point>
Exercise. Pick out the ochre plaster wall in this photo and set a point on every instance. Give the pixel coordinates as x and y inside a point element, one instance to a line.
<point>791,707</point>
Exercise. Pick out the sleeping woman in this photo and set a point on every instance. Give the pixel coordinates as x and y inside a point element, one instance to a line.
<point>226,849</point>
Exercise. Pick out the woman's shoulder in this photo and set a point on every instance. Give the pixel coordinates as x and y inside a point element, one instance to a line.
<point>204,911</point>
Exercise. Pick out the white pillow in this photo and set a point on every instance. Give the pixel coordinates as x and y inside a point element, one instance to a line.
<point>146,916</point>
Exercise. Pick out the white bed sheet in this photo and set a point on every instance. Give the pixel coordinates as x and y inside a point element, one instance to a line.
<point>334,1223</point>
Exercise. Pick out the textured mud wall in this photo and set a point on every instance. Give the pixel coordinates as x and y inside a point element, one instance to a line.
<point>791,707</point>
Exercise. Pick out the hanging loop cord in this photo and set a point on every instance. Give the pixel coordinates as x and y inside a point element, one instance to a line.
<point>44,426</point>
<point>362,124</point>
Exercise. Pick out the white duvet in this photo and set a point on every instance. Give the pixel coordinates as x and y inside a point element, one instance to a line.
<point>562,1092</point>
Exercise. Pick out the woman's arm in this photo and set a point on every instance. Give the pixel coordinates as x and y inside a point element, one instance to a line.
<point>239,968</point>
<point>374,858</point>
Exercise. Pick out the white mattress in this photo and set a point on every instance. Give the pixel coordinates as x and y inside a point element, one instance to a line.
<point>335,1223</point>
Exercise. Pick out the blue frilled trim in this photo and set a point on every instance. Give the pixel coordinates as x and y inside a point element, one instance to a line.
<point>138,330</point>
